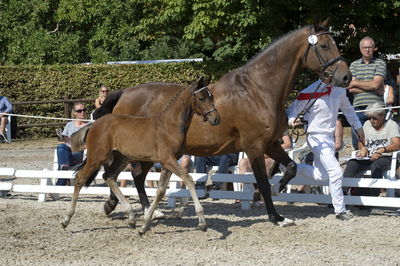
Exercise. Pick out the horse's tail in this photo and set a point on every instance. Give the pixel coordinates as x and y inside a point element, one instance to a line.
<point>92,176</point>
<point>78,139</point>
<point>108,105</point>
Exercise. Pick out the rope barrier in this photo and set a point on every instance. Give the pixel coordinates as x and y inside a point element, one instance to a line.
<point>89,120</point>
<point>46,117</point>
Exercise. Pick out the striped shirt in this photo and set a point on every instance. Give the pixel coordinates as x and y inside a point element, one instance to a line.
<point>367,72</point>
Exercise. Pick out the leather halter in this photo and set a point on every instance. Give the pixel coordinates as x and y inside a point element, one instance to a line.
<point>323,64</point>
<point>209,93</point>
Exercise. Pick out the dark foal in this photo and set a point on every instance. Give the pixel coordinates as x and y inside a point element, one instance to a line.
<point>114,140</point>
<point>251,101</point>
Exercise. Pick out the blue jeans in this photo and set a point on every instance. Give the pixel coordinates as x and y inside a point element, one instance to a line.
<point>67,159</point>
<point>222,161</point>
<point>363,118</point>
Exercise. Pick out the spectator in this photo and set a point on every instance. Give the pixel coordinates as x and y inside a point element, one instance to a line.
<point>270,165</point>
<point>382,138</point>
<point>67,158</point>
<point>222,161</point>
<point>321,123</point>
<point>244,164</point>
<point>5,107</point>
<point>103,93</point>
<point>367,85</point>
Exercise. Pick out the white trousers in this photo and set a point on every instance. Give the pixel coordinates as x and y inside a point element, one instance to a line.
<point>325,167</point>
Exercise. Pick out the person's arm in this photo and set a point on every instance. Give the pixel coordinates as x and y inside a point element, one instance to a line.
<point>390,95</point>
<point>338,135</point>
<point>293,110</point>
<point>358,86</point>
<point>287,142</point>
<point>97,103</point>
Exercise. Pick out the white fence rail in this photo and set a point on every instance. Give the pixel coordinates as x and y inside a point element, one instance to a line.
<point>46,186</point>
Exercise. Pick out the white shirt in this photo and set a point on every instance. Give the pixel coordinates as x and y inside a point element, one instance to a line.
<point>323,113</point>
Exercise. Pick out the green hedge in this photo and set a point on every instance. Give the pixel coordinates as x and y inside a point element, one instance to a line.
<point>38,83</point>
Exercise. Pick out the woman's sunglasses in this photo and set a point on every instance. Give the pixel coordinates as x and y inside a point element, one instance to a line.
<point>105,91</point>
<point>80,110</point>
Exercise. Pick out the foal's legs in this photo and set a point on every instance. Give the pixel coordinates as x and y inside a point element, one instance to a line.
<point>174,167</point>
<point>162,187</point>
<point>83,175</point>
<point>110,176</point>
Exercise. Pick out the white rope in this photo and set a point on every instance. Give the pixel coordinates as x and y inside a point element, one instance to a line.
<point>89,120</point>
<point>377,109</point>
<point>46,117</point>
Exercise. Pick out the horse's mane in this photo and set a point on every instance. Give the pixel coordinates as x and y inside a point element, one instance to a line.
<point>271,48</point>
<point>171,101</point>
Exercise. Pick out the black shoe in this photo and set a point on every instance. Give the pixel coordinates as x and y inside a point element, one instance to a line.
<point>199,186</point>
<point>213,187</point>
<point>344,216</point>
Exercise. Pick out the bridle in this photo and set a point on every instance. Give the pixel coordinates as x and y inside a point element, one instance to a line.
<point>209,94</point>
<point>312,42</point>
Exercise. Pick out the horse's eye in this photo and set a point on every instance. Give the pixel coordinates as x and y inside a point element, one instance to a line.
<point>324,46</point>
<point>202,99</point>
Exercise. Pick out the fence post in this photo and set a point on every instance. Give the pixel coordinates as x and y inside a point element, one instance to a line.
<point>67,112</point>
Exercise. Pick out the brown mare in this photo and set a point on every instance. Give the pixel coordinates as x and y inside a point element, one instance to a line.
<point>115,140</point>
<point>251,101</point>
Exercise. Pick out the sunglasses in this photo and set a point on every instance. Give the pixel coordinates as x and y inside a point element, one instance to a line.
<point>105,91</point>
<point>80,111</point>
<point>373,118</point>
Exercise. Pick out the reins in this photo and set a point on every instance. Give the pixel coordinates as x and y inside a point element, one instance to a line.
<point>312,42</point>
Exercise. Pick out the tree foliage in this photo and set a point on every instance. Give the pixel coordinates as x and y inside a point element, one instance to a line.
<point>76,31</point>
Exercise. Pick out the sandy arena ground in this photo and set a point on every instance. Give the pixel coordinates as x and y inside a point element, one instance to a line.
<point>30,232</point>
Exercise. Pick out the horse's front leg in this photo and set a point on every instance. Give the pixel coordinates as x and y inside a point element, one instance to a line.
<point>258,165</point>
<point>276,152</point>
<point>172,165</point>
<point>161,189</point>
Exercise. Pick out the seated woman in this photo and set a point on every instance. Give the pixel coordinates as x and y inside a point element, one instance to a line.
<point>67,158</point>
<point>382,138</point>
<point>103,93</point>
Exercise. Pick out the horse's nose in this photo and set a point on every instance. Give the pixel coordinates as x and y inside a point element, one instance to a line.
<point>216,120</point>
<point>347,79</point>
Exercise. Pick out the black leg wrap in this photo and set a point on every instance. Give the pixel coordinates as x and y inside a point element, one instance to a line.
<point>291,169</point>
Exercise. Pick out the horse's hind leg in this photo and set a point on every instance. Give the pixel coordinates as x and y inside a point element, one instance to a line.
<point>162,187</point>
<point>110,176</point>
<point>82,177</point>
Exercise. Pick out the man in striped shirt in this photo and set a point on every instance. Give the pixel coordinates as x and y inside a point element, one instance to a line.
<point>367,84</point>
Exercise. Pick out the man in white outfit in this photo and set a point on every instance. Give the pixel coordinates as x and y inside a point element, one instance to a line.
<point>320,121</point>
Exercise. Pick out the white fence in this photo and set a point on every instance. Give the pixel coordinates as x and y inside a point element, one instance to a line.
<point>45,185</point>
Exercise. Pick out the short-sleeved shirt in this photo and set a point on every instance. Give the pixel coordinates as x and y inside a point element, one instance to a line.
<point>367,72</point>
<point>375,139</point>
<point>70,129</point>
<point>5,105</point>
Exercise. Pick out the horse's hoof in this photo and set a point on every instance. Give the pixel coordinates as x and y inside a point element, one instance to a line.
<point>63,225</point>
<point>132,224</point>
<point>143,230</point>
<point>108,208</point>
<point>203,227</point>
<point>286,222</point>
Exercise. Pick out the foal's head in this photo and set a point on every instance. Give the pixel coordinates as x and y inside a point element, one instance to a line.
<point>203,102</point>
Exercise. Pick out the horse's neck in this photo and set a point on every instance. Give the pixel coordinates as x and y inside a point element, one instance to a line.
<point>180,113</point>
<point>280,65</point>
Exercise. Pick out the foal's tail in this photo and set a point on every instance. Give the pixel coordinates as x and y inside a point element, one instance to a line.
<point>78,139</point>
<point>108,105</point>
<point>92,176</point>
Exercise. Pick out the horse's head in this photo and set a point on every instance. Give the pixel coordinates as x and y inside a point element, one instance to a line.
<point>203,102</point>
<point>323,57</point>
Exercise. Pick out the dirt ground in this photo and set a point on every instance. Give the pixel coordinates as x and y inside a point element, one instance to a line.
<point>30,232</point>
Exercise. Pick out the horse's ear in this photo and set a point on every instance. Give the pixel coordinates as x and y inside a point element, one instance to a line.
<point>321,26</point>
<point>207,81</point>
